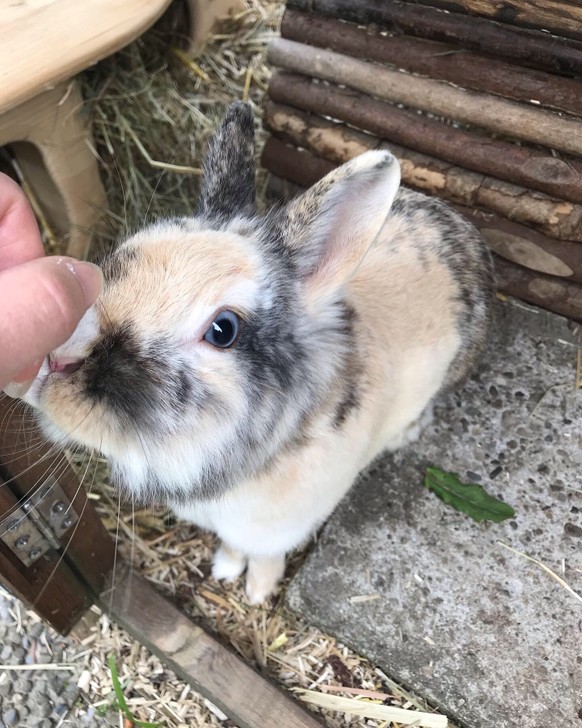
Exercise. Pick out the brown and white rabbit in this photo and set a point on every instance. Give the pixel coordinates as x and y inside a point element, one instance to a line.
<point>245,368</point>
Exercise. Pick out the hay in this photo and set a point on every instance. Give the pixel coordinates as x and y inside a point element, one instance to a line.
<point>153,111</point>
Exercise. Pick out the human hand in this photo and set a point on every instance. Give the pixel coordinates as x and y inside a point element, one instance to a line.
<point>42,299</point>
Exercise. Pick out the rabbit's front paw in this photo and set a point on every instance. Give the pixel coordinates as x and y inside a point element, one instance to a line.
<point>263,575</point>
<point>228,564</point>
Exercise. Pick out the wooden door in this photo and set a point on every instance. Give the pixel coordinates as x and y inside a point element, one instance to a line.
<point>55,553</point>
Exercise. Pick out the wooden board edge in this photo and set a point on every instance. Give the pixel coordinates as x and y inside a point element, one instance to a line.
<point>213,670</point>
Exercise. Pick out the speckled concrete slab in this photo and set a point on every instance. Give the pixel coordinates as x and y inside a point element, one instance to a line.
<point>488,636</point>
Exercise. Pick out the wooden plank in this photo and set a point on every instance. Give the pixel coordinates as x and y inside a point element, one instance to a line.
<point>338,143</point>
<point>441,61</point>
<point>514,242</point>
<point>521,165</point>
<point>563,18</point>
<point>44,43</point>
<point>49,585</point>
<point>30,460</point>
<point>199,659</point>
<point>532,48</point>
<point>537,126</point>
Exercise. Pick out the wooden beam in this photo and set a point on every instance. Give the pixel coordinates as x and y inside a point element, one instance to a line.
<point>532,48</point>
<point>441,61</point>
<point>338,143</point>
<point>518,164</point>
<point>498,115</point>
<point>514,242</point>
<point>249,699</point>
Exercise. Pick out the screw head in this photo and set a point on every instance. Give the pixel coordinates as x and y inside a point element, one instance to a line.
<point>58,507</point>
<point>35,553</point>
<point>22,541</point>
<point>67,521</point>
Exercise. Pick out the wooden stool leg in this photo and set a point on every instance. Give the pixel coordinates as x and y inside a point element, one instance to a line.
<point>204,14</point>
<point>54,123</point>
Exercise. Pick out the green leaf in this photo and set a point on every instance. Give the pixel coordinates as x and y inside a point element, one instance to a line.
<point>120,698</point>
<point>468,498</point>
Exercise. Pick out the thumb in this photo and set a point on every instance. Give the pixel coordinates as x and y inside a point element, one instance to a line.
<point>41,303</point>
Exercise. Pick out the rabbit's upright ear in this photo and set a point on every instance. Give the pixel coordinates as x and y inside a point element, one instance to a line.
<point>329,228</point>
<point>228,187</point>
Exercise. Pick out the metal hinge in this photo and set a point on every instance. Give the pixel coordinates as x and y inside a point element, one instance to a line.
<point>38,523</point>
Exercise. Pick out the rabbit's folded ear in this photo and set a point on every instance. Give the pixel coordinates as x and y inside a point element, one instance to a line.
<point>228,187</point>
<point>329,228</point>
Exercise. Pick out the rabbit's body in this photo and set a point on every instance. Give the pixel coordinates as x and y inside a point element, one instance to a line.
<point>246,369</point>
<point>394,367</point>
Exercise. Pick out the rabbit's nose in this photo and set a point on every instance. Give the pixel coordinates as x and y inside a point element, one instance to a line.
<point>65,364</point>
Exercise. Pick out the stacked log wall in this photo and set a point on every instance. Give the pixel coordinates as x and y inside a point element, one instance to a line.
<point>481,110</point>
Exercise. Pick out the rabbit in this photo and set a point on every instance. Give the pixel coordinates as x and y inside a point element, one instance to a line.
<point>244,367</point>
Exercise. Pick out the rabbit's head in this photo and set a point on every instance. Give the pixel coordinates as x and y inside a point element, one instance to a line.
<point>216,337</point>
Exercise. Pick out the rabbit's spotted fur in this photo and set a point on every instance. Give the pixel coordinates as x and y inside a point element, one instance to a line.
<point>353,317</point>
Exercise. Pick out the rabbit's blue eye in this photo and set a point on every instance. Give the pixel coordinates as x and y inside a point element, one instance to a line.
<point>223,331</point>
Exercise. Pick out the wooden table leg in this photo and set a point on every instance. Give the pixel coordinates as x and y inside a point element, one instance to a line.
<point>204,14</point>
<point>60,167</point>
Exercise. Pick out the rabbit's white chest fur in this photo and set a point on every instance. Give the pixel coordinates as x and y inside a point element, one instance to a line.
<point>269,515</point>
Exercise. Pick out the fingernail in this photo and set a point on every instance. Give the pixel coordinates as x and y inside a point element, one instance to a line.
<point>17,390</point>
<point>28,374</point>
<point>22,382</point>
<point>89,275</point>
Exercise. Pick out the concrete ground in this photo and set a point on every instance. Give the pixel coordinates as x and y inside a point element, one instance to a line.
<point>31,698</point>
<point>433,597</point>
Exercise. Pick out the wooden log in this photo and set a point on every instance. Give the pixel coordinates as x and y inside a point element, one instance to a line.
<point>546,292</point>
<point>336,142</point>
<point>526,247</point>
<point>510,240</point>
<point>50,585</point>
<point>281,190</point>
<point>563,18</point>
<point>536,49</point>
<point>437,60</point>
<point>537,126</point>
<point>520,165</point>
<point>198,658</point>
<point>293,164</point>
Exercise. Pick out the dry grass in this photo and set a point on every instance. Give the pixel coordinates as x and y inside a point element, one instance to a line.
<point>153,111</point>
<point>176,558</point>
